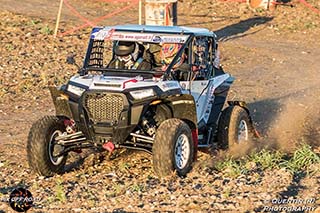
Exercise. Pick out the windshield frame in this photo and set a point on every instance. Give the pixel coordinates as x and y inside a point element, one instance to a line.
<point>86,68</point>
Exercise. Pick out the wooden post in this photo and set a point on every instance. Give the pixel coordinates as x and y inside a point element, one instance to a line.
<point>140,12</point>
<point>58,19</point>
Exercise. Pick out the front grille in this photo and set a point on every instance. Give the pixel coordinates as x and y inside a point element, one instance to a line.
<point>103,107</point>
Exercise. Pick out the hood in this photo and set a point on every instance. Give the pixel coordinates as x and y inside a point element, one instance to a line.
<point>101,82</point>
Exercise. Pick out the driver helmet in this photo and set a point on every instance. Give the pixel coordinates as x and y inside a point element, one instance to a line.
<point>126,51</point>
<point>168,52</point>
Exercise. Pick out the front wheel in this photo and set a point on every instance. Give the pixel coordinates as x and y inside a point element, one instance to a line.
<point>42,148</point>
<point>234,127</point>
<point>173,148</point>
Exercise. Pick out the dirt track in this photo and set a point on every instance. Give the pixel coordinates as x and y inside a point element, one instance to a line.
<point>274,58</point>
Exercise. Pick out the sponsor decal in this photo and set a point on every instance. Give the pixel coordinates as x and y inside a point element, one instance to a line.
<point>170,85</point>
<point>101,34</point>
<point>173,39</point>
<point>108,33</point>
<point>156,39</point>
<point>132,37</point>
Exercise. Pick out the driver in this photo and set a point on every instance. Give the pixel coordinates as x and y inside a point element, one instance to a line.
<point>128,55</point>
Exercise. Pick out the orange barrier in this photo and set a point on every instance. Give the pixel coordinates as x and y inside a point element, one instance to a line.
<point>310,6</point>
<point>95,21</point>
<point>76,13</point>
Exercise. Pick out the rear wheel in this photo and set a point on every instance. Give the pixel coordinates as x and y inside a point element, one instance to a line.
<point>42,148</point>
<point>234,127</point>
<point>173,148</point>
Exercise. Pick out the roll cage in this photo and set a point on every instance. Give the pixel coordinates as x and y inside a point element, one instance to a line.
<point>94,56</point>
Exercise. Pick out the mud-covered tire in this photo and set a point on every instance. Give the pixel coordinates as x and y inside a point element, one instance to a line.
<point>40,138</point>
<point>233,120</point>
<point>168,155</point>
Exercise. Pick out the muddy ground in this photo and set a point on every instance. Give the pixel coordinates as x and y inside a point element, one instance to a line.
<point>275,57</point>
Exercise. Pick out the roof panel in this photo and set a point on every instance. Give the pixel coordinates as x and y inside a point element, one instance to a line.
<point>162,29</point>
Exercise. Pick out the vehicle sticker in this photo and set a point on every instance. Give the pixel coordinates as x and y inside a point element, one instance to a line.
<point>182,102</point>
<point>156,39</point>
<point>144,37</point>
<point>109,33</point>
<point>101,34</point>
<point>170,85</point>
<point>184,86</point>
<point>173,38</point>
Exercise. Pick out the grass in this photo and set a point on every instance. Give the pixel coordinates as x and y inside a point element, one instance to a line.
<point>34,22</point>
<point>124,166</point>
<point>226,193</point>
<point>116,190</point>
<point>231,167</point>
<point>137,188</point>
<point>310,25</point>
<point>302,160</point>
<point>46,30</point>
<point>5,164</point>
<point>35,186</point>
<point>266,159</point>
<point>50,200</point>
<point>59,191</point>
<point>26,85</point>
<point>10,47</point>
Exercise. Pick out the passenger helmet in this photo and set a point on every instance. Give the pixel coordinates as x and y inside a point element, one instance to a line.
<point>168,52</point>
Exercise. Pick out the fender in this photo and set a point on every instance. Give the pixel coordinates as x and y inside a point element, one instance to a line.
<point>183,107</point>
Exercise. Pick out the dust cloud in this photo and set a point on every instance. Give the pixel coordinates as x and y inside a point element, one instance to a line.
<point>297,122</point>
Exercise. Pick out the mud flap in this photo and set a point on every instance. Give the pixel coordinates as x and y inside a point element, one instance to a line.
<point>60,101</point>
<point>195,142</point>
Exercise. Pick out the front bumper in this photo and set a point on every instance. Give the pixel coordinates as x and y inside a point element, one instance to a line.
<point>105,116</point>
<point>101,115</point>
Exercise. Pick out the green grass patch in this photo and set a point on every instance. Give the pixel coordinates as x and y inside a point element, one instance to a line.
<point>266,159</point>
<point>232,167</point>
<point>59,191</point>
<point>46,30</point>
<point>136,188</point>
<point>302,160</point>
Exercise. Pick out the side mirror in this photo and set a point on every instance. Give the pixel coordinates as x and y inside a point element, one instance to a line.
<point>71,60</point>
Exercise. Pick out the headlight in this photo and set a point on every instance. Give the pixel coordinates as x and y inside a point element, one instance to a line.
<point>141,94</point>
<point>75,90</point>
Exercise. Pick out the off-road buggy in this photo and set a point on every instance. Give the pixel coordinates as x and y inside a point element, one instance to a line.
<point>168,113</point>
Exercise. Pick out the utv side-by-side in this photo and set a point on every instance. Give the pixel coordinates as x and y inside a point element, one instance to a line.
<point>167,111</point>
